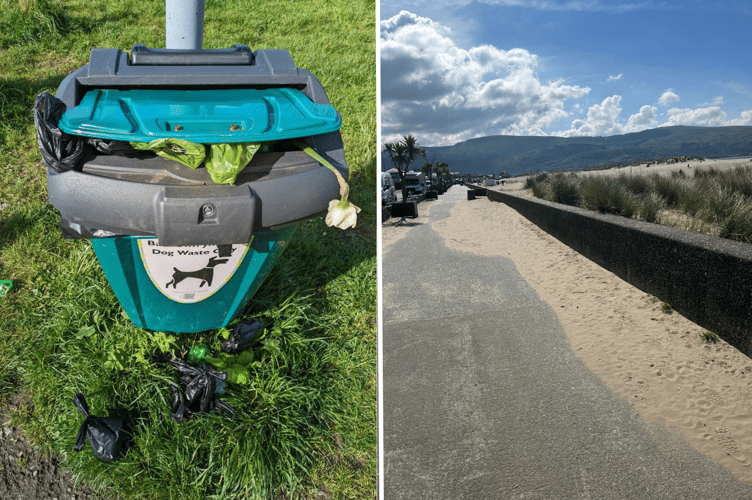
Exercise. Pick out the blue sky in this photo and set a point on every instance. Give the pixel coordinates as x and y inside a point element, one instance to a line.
<point>454,70</point>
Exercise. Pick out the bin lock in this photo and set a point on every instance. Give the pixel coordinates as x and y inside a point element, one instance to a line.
<point>184,216</point>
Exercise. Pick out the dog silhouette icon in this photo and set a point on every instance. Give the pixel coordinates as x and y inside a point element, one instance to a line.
<point>205,275</point>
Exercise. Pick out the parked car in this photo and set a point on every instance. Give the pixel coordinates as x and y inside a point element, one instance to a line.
<point>395,178</point>
<point>388,191</point>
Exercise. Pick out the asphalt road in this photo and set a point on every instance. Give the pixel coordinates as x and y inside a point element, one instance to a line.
<point>484,399</point>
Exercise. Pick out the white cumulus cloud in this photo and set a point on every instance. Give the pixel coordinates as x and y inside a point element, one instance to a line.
<point>604,119</point>
<point>668,97</point>
<point>712,116</point>
<point>745,118</point>
<point>443,94</point>
<point>646,118</point>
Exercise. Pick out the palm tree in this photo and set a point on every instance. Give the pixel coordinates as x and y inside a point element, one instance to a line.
<point>412,149</point>
<point>442,170</point>
<point>402,154</point>
<point>428,168</point>
<point>396,153</point>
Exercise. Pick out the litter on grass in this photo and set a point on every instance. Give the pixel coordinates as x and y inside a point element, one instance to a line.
<point>106,436</point>
<point>197,392</point>
<point>244,334</point>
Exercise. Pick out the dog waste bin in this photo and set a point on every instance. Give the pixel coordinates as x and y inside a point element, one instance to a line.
<point>181,252</point>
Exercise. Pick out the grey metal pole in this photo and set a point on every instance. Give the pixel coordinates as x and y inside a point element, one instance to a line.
<point>184,22</point>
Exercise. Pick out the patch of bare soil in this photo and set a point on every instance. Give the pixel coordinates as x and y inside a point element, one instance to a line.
<point>26,474</point>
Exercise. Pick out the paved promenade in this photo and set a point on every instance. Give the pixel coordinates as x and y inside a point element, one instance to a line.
<point>484,399</point>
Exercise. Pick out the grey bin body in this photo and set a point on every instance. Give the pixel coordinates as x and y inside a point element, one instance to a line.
<point>111,195</point>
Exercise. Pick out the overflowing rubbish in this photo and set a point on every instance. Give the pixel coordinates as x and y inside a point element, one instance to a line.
<point>236,367</point>
<point>197,392</point>
<point>244,334</point>
<point>223,161</point>
<point>164,157</point>
<point>226,161</point>
<point>60,151</point>
<point>188,153</point>
<point>236,356</point>
<point>341,213</point>
<point>106,436</point>
<point>117,148</point>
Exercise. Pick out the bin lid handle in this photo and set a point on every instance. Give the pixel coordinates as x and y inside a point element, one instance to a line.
<point>238,55</point>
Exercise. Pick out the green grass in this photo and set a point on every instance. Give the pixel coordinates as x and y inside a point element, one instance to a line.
<point>35,21</point>
<point>709,337</point>
<point>307,423</point>
<point>606,195</point>
<point>650,207</point>
<point>565,189</point>
<point>718,202</point>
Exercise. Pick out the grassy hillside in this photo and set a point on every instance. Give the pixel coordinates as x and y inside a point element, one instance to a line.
<point>520,155</point>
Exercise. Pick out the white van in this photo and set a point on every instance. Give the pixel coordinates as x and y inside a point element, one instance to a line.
<point>416,183</point>
<point>388,191</point>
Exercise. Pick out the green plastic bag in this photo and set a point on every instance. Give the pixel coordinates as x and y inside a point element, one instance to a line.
<point>234,365</point>
<point>188,153</point>
<point>225,161</point>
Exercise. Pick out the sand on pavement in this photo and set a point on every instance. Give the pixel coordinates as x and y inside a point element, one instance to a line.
<point>658,362</point>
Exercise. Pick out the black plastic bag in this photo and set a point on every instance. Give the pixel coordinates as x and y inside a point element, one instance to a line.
<point>106,436</point>
<point>243,336</point>
<point>60,151</point>
<point>177,403</point>
<point>197,393</point>
<point>118,148</point>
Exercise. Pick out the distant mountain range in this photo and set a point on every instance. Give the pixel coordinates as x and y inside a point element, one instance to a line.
<point>526,154</point>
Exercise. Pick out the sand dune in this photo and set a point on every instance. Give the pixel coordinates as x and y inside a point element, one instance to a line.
<point>688,167</point>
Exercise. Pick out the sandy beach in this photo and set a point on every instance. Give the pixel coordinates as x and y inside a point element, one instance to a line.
<point>658,362</point>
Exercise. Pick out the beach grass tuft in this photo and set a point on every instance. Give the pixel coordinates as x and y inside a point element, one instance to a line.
<point>709,337</point>
<point>717,202</point>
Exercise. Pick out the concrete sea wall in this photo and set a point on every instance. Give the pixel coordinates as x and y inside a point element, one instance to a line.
<point>706,279</point>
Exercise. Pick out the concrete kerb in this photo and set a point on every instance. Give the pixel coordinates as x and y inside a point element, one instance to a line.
<point>706,279</point>
<point>473,191</point>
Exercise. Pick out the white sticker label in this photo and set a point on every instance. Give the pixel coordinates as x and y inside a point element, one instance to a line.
<point>190,274</point>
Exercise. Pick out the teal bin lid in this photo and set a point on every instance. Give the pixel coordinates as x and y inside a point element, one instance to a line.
<point>202,116</point>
